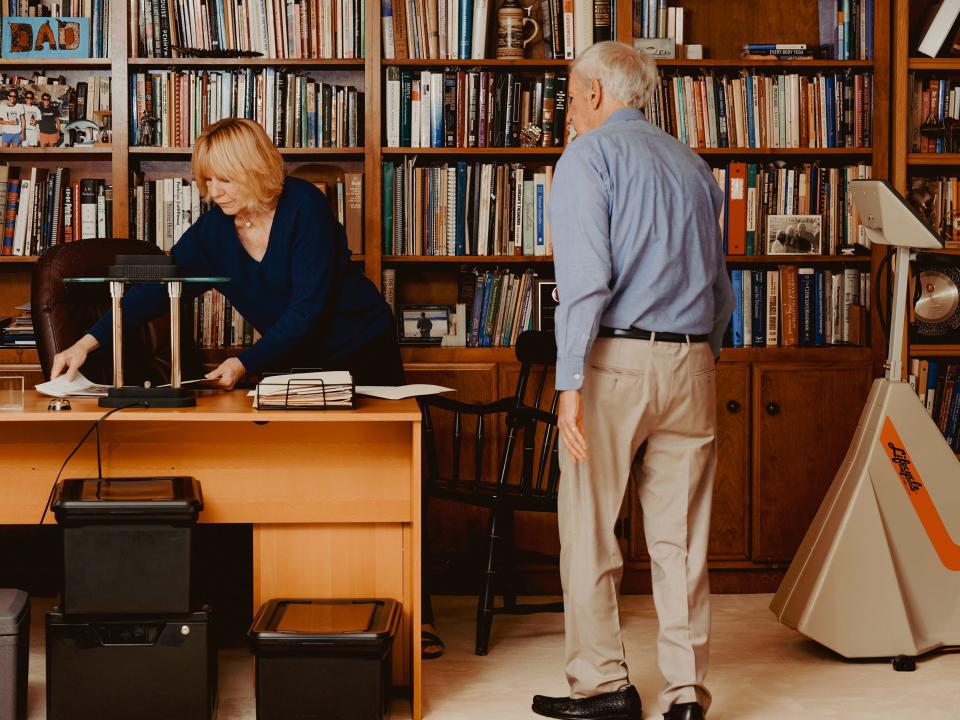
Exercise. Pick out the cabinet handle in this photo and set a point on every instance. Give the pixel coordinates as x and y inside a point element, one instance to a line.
<point>773,408</point>
<point>733,407</point>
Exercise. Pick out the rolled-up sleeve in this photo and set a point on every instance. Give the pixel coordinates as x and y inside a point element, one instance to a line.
<point>579,216</point>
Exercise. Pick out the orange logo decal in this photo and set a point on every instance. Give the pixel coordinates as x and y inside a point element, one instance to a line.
<point>947,550</point>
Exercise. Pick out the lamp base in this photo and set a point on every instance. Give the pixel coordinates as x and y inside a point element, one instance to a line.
<point>152,397</point>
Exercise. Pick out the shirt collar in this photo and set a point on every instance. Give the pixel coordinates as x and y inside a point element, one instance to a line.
<point>624,115</point>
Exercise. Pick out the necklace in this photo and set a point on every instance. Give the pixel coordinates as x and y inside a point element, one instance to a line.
<point>247,222</point>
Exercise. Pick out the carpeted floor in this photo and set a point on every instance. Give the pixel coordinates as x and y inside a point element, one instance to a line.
<point>759,670</point>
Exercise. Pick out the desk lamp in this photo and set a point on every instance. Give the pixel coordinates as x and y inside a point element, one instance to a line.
<point>147,269</point>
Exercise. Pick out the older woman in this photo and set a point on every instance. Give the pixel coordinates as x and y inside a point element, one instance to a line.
<point>288,263</point>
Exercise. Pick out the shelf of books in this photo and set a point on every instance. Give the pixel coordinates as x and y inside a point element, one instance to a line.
<point>56,160</point>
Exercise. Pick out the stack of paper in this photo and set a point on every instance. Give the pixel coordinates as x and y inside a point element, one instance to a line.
<point>306,389</point>
<point>78,387</point>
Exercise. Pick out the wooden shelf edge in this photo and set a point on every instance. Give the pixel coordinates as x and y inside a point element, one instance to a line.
<point>934,350</point>
<point>933,159</point>
<point>668,63</point>
<point>837,353</point>
<point>411,353</point>
<point>742,62</point>
<point>54,151</point>
<point>489,62</point>
<point>18,259</point>
<point>925,63</point>
<point>286,152</point>
<point>783,151</point>
<point>337,63</point>
<point>65,63</point>
<point>798,259</point>
<point>482,151</point>
<point>448,259</point>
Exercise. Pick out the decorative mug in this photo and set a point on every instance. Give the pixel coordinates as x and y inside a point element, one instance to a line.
<point>512,25</point>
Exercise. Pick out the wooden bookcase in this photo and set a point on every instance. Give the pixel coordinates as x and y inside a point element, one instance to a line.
<point>786,414</point>
<point>906,164</point>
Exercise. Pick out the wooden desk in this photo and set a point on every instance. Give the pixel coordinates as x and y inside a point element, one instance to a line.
<point>334,496</point>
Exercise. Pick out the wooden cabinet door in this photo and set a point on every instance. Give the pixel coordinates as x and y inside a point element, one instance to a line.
<point>729,521</point>
<point>729,530</point>
<point>803,417</point>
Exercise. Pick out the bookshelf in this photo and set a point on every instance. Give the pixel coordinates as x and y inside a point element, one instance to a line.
<point>910,69</point>
<point>762,476</point>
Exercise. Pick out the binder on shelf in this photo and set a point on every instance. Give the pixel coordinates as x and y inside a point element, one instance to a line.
<point>305,389</point>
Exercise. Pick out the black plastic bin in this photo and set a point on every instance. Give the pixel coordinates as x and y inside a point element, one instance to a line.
<point>14,653</point>
<point>126,544</point>
<point>324,659</point>
<point>162,668</point>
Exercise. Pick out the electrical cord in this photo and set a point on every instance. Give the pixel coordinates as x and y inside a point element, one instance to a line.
<point>92,428</point>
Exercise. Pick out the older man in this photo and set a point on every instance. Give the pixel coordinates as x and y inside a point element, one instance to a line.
<point>644,301</point>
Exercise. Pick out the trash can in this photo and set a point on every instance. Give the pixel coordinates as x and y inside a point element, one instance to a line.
<point>126,544</point>
<point>324,659</point>
<point>14,653</point>
<point>160,668</point>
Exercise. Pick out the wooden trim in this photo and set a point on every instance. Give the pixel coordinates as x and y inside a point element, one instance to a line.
<point>187,152</point>
<point>532,64</point>
<point>301,63</point>
<point>923,159</point>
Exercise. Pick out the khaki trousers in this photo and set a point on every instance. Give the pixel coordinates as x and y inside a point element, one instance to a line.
<point>664,394</point>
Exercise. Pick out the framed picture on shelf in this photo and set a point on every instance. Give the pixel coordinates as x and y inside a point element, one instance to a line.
<point>424,324</point>
<point>43,107</point>
<point>545,301</point>
<point>794,235</point>
<point>45,37</point>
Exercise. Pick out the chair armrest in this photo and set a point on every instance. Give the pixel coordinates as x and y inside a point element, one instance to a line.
<point>497,406</point>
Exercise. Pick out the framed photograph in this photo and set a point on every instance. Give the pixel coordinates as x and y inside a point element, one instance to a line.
<point>42,107</point>
<point>794,235</point>
<point>45,37</point>
<point>545,301</point>
<point>424,324</point>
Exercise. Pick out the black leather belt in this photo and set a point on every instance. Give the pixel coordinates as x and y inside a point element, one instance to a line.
<point>636,334</point>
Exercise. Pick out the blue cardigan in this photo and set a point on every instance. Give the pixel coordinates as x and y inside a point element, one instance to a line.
<point>305,297</point>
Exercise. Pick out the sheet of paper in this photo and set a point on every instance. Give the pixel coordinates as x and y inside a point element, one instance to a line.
<point>389,392</point>
<point>78,387</point>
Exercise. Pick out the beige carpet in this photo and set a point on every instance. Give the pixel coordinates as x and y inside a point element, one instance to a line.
<point>759,670</point>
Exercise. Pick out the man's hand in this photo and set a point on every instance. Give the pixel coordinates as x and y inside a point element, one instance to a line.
<point>570,422</point>
<point>227,375</point>
<point>70,360</point>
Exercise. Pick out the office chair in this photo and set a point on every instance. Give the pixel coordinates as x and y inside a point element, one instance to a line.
<point>530,485</point>
<point>62,312</point>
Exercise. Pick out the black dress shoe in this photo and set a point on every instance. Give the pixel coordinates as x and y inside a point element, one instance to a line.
<point>621,705</point>
<point>684,711</point>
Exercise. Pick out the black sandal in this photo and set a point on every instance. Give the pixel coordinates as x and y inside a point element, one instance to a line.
<point>429,639</point>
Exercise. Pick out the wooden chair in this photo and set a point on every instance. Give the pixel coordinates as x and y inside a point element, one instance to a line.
<point>528,485</point>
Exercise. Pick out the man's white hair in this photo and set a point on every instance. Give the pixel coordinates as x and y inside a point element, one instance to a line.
<point>630,75</point>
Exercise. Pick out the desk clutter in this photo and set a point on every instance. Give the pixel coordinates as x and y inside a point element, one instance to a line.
<point>126,620</point>
<point>314,390</point>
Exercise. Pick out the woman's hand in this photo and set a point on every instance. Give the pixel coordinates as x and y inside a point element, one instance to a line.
<point>70,360</point>
<point>227,375</point>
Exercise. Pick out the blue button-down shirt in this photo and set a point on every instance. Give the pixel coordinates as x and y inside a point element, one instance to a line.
<point>636,242</point>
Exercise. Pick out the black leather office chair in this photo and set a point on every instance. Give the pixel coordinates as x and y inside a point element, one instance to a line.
<point>530,485</point>
<point>62,312</point>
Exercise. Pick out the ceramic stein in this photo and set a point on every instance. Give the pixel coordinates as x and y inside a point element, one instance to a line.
<point>515,30</point>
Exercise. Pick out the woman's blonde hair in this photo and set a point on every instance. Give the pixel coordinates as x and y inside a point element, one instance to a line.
<point>239,150</point>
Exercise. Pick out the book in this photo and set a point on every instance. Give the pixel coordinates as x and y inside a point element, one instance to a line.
<point>942,16</point>
<point>353,183</point>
